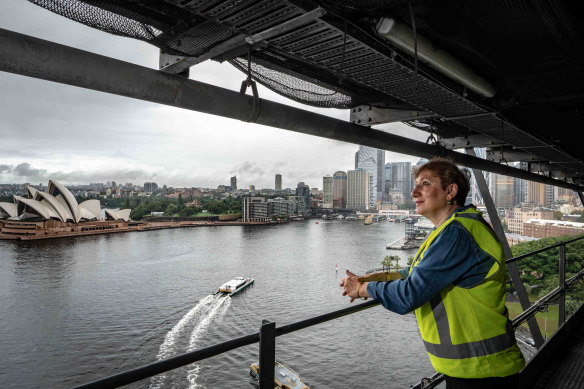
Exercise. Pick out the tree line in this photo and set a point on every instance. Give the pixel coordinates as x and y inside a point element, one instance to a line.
<point>173,207</point>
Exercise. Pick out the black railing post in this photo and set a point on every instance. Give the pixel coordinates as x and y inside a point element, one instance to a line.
<point>267,354</point>
<point>562,300</point>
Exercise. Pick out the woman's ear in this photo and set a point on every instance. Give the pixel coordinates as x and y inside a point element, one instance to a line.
<point>452,190</point>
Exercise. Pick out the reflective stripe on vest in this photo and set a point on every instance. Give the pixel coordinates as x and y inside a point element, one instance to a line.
<point>477,348</point>
<point>469,343</point>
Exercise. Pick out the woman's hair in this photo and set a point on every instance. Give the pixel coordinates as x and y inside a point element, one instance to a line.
<point>448,173</point>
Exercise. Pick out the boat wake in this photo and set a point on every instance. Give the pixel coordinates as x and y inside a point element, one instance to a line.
<point>200,329</point>
<point>198,318</point>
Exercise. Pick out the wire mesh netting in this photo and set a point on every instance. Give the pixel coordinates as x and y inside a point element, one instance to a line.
<point>179,32</point>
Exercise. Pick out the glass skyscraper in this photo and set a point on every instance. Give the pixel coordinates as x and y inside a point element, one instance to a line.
<point>373,161</point>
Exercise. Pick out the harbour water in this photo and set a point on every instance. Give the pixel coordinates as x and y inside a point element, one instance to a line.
<point>76,310</point>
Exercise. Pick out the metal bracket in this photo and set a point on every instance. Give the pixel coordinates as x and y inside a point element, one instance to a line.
<point>367,115</point>
<point>509,155</point>
<point>460,142</point>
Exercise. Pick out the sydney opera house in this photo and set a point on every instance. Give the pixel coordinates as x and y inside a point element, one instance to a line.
<point>56,213</point>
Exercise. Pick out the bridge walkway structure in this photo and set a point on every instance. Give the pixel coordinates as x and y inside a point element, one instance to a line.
<point>41,59</point>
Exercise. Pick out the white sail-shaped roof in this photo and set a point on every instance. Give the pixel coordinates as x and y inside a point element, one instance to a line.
<point>8,210</point>
<point>35,206</point>
<point>90,210</point>
<point>122,214</point>
<point>54,203</point>
<point>61,200</point>
<point>52,211</point>
<point>56,189</point>
<point>31,191</point>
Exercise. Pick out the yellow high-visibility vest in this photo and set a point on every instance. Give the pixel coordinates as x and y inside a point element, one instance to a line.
<point>466,331</point>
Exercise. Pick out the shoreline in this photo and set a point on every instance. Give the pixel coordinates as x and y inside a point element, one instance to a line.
<point>52,229</point>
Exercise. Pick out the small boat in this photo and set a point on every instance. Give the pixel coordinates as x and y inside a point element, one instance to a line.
<point>235,285</point>
<point>284,377</point>
<point>368,220</point>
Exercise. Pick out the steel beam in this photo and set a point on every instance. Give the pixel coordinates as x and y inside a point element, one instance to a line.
<point>512,268</point>
<point>33,57</point>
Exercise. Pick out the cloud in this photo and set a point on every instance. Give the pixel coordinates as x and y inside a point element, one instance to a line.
<point>5,169</point>
<point>25,170</point>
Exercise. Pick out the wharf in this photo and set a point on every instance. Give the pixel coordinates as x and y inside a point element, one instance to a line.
<point>52,229</point>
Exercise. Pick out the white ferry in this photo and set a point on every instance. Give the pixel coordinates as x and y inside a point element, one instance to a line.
<point>235,285</point>
<point>284,377</point>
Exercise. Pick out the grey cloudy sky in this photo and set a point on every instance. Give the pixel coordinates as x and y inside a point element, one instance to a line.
<point>75,136</point>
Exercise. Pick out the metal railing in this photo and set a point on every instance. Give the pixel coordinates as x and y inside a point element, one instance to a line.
<point>266,337</point>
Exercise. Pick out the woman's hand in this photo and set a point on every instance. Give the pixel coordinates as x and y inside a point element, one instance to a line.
<point>353,287</point>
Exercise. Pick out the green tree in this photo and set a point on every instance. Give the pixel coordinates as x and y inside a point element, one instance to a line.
<point>386,263</point>
<point>558,215</point>
<point>171,209</point>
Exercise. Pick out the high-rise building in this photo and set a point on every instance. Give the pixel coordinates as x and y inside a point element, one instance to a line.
<point>150,187</point>
<point>502,190</point>
<point>327,192</point>
<point>304,190</point>
<point>339,189</point>
<point>388,185</point>
<point>372,160</point>
<point>358,182</point>
<point>278,184</point>
<point>233,182</point>
<point>540,194</point>
<point>401,178</point>
<point>520,191</point>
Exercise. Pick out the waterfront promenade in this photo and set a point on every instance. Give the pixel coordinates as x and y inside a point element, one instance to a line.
<point>52,229</point>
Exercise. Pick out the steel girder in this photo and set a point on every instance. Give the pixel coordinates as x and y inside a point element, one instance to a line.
<point>33,57</point>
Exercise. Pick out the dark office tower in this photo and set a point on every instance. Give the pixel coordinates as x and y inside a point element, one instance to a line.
<point>304,190</point>
<point>340,190</point>
<point>520,190</point>
<point>387,187</point>
<point>233,182</point>
<point>372,160</point>
<point>502,190</point>
<point>150,187</point>
<point>278,187</point>
<point>401,176</point>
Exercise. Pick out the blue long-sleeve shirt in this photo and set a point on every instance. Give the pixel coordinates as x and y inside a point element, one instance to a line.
<point>453,258</point>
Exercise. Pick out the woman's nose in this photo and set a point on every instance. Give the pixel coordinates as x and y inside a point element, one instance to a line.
<point>415,191</point>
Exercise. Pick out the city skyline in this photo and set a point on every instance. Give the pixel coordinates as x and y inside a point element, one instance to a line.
<point>75,136</point>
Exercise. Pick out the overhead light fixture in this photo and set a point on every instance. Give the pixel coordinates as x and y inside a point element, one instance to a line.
<point>402,36</point>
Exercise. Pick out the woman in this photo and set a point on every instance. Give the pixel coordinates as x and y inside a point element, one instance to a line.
<point>455,285</point>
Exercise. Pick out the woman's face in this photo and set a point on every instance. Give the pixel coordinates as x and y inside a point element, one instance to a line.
<point>431,200</point>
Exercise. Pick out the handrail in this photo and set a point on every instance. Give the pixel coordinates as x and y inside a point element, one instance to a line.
<point>267,341</point>
<point>165,365</point>
<point>544,301</point>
